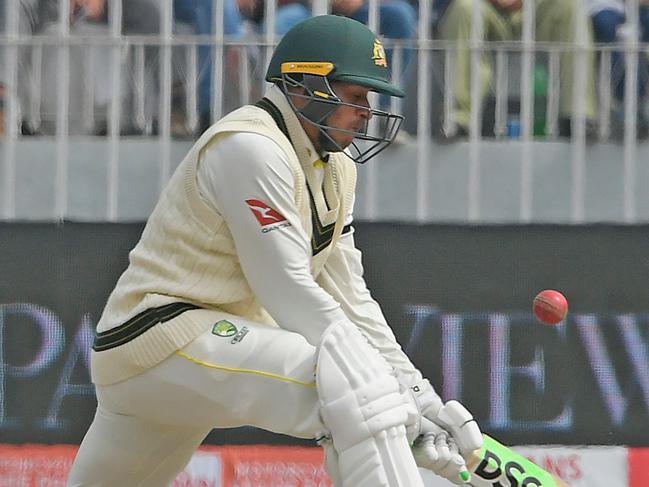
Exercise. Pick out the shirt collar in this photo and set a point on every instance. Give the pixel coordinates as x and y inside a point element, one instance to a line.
<point>299,139</point>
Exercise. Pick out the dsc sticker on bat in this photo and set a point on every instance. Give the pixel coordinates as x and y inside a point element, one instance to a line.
<point>498,466</point>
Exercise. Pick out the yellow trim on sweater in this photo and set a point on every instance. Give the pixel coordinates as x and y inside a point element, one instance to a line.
<point>223,368</point>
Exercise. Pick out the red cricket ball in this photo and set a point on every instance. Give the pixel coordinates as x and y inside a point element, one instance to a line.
<point>550,307</point>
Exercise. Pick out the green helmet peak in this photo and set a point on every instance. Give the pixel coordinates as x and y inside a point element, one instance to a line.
<point>351,52</point>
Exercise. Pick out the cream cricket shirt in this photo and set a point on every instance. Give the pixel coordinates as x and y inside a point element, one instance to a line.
<point>255,225</point>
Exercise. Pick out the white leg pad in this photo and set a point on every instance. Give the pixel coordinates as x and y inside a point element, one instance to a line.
<point>363,409</point>
<point>331,463</point>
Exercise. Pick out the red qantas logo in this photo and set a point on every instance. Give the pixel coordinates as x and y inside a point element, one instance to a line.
<point>264,214</point>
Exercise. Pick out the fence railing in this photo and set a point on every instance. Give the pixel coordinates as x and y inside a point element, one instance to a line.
<point>90,79</point>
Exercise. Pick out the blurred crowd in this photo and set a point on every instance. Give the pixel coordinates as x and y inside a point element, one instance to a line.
<point>590,23</point>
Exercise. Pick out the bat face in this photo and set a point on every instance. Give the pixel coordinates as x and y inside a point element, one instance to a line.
<point>495,465</point>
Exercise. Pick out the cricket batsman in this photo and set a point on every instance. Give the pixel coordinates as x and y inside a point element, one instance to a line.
<point>244,301</point>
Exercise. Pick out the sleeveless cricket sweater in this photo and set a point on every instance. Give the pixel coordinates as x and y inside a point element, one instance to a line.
<point>186,253</point>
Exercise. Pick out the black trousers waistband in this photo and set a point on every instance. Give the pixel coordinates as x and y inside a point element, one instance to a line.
<point>139,324</point>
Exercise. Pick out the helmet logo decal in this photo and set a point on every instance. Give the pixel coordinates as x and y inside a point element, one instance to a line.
<point>378,54</point>
<point>319,69</point>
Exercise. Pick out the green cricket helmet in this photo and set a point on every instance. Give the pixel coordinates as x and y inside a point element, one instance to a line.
<point>330,48</point>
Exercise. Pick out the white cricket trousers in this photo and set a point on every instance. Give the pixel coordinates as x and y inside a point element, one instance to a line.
<point>147,427</point>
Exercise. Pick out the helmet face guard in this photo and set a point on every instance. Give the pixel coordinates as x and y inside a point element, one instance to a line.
<point>376,134</point>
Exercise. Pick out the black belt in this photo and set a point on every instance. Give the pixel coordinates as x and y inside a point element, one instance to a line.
<point>139,324</point>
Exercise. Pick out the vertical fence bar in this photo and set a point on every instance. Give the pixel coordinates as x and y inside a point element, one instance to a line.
<point>396,104</point>
<point>527,64</point>
<point>33,115</point>
<point>604,118</point>
<point>630,108</point>
<point>244,76</point>
<point>476,46</point>
<point>216,52</point>
<point>578,118</point>
<point>62,115</point>
<point>554,86</point>
<point>450,55</point>
<point>502,93</point>
<point>115,25</point>
<point>270,35</point>
<point>139,81</point>
<point>527,109</point>
<point>423,110</point>
<point>320,7</point>
<point>164,118</point>
<point>373,16</point>
<point>371,188</point>
<point>191,100</point>
<point>88,98</point>
<point>11,121</point>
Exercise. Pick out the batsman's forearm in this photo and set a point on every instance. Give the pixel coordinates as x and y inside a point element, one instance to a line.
<point>496,464</point>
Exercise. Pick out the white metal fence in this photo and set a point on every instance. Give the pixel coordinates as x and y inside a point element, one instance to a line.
<point>91,82</point>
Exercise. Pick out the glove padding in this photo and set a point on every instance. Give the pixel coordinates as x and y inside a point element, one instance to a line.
<point>438,452</point>
<point>428,401</point>
<point>459,422</point>
<point>425,401</point>
<point>413,423</point>
<point>452,417</point>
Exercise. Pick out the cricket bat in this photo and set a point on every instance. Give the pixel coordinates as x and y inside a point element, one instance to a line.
<point>495,465</point>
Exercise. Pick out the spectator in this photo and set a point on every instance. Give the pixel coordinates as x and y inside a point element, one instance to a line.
<point>608,18</point>
<point>138,16</point>
<point>26,26</point>
<point>398,18</point>
<point>555,21</point>
<point>200,15</point>
<point>42,16</point>
<point>287,14</point>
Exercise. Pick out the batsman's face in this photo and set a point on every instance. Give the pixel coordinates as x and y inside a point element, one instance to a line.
<point>350,118</point>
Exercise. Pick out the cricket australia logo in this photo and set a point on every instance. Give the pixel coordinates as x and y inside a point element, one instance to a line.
<point>269,218</point>
<point>378,54</point>
<point>224,328</point>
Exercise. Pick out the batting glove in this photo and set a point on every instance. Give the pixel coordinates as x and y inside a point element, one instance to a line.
<point>458,421</point>
<point>452,417</point>
<point>438,452</point>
